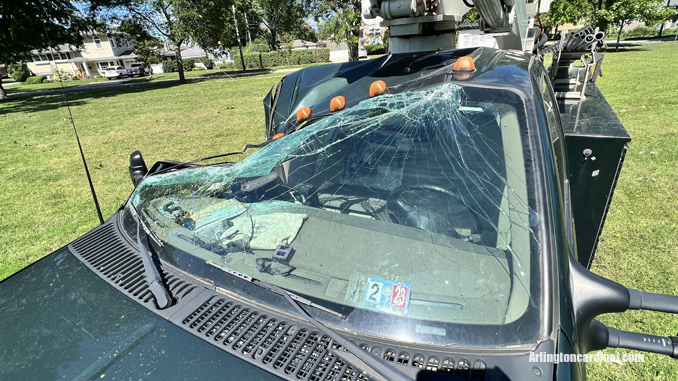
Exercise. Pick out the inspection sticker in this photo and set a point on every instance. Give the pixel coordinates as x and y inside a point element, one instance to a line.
<point>387,296</point>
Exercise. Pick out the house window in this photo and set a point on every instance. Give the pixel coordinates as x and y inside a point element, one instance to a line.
<point>127,43</point>
<point>102,65</point>
<point>97,42</point>
<point>112,40</point>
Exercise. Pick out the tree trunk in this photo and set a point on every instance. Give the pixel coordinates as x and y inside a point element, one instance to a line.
<point>3,94</point>
<point>352,50</point>
<point>621,26</point>
<point>661,29</point>
<point>180,62</point>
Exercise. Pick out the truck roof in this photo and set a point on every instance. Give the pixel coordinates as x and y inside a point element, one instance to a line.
<point>314,87</point>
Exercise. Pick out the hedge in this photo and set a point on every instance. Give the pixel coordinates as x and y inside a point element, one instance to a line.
<point>227,66</point>
<point>189,63</point>
<point>34,80</point>
<point>169,66</point>
<point>261,60</point>
<point>209,64</point>
<point>375,49</point>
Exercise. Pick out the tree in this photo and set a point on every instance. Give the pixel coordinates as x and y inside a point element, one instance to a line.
<point>279,17</point>
<point>623,12</point>
<point>147,47</point>
<point>341,19</point>
<point>568,11</point>
<point>177,21</point>
<point>37,24</point>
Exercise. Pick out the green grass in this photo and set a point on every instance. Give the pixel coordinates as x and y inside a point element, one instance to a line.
<point>639,245</point>
<point>43,189</point>
<point>46,201</point>
<point>49,85</point>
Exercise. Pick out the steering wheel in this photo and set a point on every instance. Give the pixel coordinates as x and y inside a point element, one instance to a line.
<point>432,208</point>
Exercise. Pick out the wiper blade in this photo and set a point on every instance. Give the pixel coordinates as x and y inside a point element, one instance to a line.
<point>387,371</point>
<point>188,163</point>
<point>162,296</point>
<point>277,290</point>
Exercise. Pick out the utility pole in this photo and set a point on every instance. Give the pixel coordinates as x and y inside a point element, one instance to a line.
<point>249,36</point>
<point>237,35</point>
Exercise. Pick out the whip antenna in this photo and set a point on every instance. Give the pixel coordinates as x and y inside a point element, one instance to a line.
<point>77,138</point>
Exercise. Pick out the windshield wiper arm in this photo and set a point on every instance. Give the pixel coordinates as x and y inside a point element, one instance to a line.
<point>158,289</point>
<point>383,369</point>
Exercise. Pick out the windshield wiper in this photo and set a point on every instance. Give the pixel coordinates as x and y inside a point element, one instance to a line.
<point>388,372</point>
<point>158,289</point>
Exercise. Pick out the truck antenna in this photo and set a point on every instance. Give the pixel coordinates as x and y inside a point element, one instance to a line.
<point>77,138</point>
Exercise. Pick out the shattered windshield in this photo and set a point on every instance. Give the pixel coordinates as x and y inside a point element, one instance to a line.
<point>411,210</point>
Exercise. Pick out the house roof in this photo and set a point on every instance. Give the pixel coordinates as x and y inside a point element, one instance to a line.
<point>59,48</point>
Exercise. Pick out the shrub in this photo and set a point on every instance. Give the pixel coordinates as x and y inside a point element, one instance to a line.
<point>254,48</point>
<point>169,66</point>
<point>189,63</point>
<point>283,57</point>
<point>61,74</point>
<point>34,80</point>
<point>198,68</point>
<point>375,49</point>
<point>226,66</point>
<point>209,64</point>
<point>18,71</point>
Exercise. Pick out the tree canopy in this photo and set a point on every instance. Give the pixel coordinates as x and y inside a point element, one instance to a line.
<point>177,21</point>
<point>38,24</point>
<point>341,20</point>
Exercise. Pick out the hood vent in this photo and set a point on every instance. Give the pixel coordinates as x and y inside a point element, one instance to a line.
<point>291,351</point>
<point>111,257</point>
<point>298,351</point>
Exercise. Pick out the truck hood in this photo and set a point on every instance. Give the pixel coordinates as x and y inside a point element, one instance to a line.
<point>61,321</point>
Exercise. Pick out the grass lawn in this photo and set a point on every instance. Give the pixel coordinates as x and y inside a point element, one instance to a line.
<point>46,201</point>
<point>48,85</point>
<point>43,189</point>
<point>639,245</point>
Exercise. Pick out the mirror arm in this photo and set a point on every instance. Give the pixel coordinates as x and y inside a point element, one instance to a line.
<point>602,336</point>
<point>652,302</point>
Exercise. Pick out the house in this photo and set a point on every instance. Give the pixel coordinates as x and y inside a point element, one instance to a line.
<point>98,52</point>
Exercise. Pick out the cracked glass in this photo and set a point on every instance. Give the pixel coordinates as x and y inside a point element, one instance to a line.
<point>411,211</point>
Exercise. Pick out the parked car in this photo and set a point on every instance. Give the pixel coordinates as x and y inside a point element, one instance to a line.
<point>139,69</point>
<point>116,72</point>
<point>362,52</point>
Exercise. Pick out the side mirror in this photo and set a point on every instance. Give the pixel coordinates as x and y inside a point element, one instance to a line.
<point>593,295</point>
<point>137,167</point>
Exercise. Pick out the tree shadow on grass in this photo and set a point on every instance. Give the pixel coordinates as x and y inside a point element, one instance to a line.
<point>55,100</point>
<point>624,49</point>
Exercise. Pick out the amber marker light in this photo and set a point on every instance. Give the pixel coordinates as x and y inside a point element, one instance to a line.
<point>303,113</point>
<point>377,87</point>
<point>337,103</point>
<point>276,136</point>
<point>464,68</point>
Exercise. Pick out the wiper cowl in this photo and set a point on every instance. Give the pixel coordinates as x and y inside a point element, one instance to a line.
<point>382,369</point>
